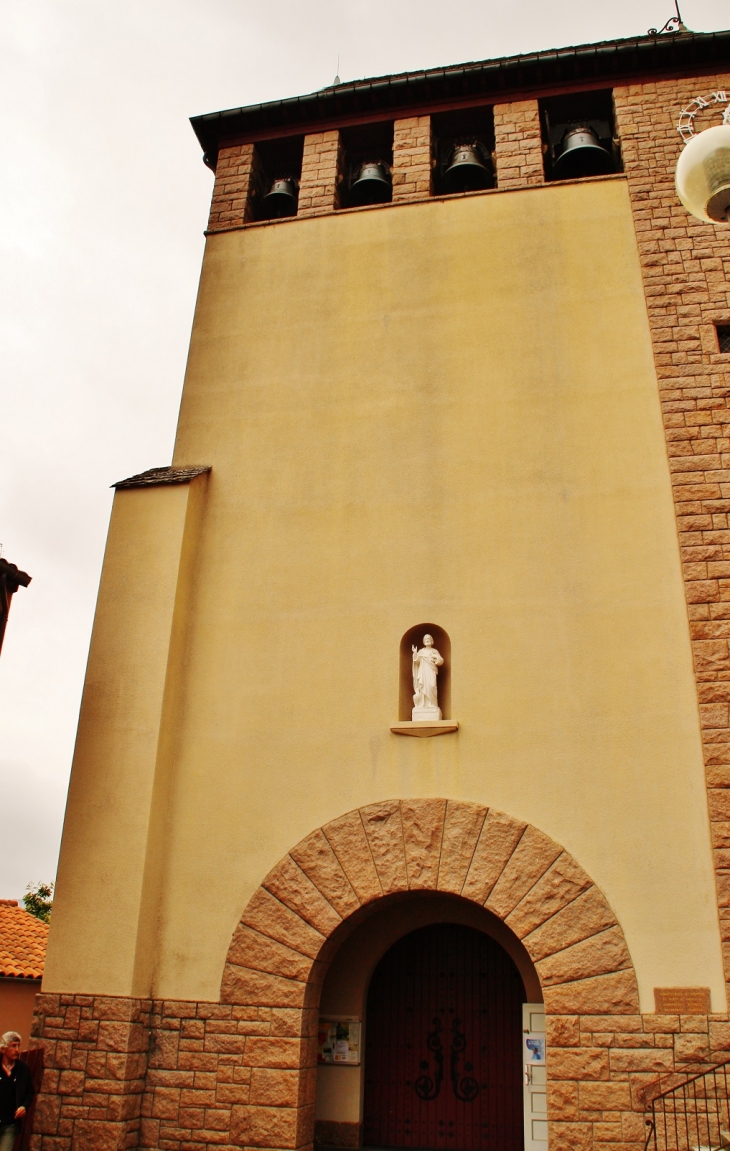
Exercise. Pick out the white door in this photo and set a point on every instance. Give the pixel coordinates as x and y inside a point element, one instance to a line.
<point>535,1076</point>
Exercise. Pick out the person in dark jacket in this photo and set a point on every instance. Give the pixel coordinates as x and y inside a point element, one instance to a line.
<point>16,1089</point>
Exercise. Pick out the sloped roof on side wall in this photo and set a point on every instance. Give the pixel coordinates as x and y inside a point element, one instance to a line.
<point>23,940</point>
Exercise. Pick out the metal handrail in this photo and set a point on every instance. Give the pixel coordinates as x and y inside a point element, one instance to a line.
<point>694,1115</point>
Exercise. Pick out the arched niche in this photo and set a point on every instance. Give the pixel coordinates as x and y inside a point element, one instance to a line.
<point>442,643</point>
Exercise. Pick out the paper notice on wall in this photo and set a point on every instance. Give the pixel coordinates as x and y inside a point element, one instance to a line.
<point>338,1042</point>
<point>534,1049</point>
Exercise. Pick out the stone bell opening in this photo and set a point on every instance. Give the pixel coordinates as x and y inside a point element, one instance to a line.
<point>443,1050</point>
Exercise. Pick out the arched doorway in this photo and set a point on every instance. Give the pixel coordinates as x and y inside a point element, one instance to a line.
<point>443,1056</point>
<point>308,934</point>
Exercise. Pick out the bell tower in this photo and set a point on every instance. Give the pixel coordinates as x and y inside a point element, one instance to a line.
<point>451,464</point>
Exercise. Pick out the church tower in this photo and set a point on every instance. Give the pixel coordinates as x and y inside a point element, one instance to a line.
<point>399,808</point>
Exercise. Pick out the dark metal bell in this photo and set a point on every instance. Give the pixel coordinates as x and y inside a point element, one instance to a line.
<point>581,154</point>
<point>372,184</point>
<point>281,199</point>
<point>467,170</point>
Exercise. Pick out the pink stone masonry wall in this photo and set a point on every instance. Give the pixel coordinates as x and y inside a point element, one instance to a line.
<point>321,171</point>
<point>518,144</point>
<point>686,268</point>
<point>205,1075</point>
<point>235,177</point>
<point>95,1068</point>
<point>412,168</point>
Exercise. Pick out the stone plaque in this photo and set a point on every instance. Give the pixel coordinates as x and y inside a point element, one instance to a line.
<point>682,1000</point>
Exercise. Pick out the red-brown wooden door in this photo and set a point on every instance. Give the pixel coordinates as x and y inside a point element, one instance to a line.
<point>443,1055</point>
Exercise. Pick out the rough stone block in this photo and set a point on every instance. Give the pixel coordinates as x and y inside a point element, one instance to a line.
<point>288,883</point>
<point>349,843</point>
<point>271,917</point>
<point>195,1028</point>
<point>562,1099</point>
<point>633,1128</point>
<point>719,802</point>
<point>613,994</point>
<point>595,956</point>
<point>265,1127</point>
<point>561,884</point>
<point>532,857</point>
<point>225,1045</point>
<point>122,1037</point>
<point>121,1008</point>
<point>47,1114</point>
<point>273,1087</point>
<point>71,1082</point>
<point>163,1049</point>
<point>660,1023</point>
<point>462,826</point>
<point>499,836</point>
<point>720,1036</point>
<point>165,1103</point>
<point>578,1063</point>
<point>230,1093</point>
<point>98,1136</point>
<point>585,916</point>
<point>149,1133</point>
<point>384,830</point>
<point>273,1052</point>
<point>604,1096</point>
<point>293,1022</point>
<point>649,1059</point>
<point>423,825</point>
<point>563,1030</point>
<point>570,1136</point>
<point>262,953</point>
<point>318,861</point>
<point>240,985</point>
<point>691,1048</point>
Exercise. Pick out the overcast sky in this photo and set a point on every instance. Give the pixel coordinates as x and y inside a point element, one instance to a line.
<point>103,201</point>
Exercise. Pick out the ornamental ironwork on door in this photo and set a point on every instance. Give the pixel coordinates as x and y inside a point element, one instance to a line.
<point>443,1064</point>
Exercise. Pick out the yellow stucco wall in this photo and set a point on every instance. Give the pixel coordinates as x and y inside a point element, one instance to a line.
<point>107,895</point>
<point>445,411</point>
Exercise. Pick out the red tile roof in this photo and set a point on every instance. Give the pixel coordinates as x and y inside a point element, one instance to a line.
<point>23,941</point>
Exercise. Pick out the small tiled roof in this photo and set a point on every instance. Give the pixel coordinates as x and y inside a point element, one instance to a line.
<point>23,941</point>
<point>166,475</point>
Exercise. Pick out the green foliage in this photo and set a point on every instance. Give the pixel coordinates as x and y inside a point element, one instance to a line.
<point>38,900</point>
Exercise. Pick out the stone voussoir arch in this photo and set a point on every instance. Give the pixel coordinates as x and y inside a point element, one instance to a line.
<point>278,955</point>
<point>514,870</point>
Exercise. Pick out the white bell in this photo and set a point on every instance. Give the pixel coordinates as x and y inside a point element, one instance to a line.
<point>703,175</point>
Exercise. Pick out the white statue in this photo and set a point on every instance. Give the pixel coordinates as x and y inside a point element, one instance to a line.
<point>426,663</point>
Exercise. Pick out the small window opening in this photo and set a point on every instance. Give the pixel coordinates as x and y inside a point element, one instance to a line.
<point>276,190</point>
<point>723,338</point>
<point>414,638</point>
<point>463,150</point>
<point>578,136</point>
<point>367,165</point>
